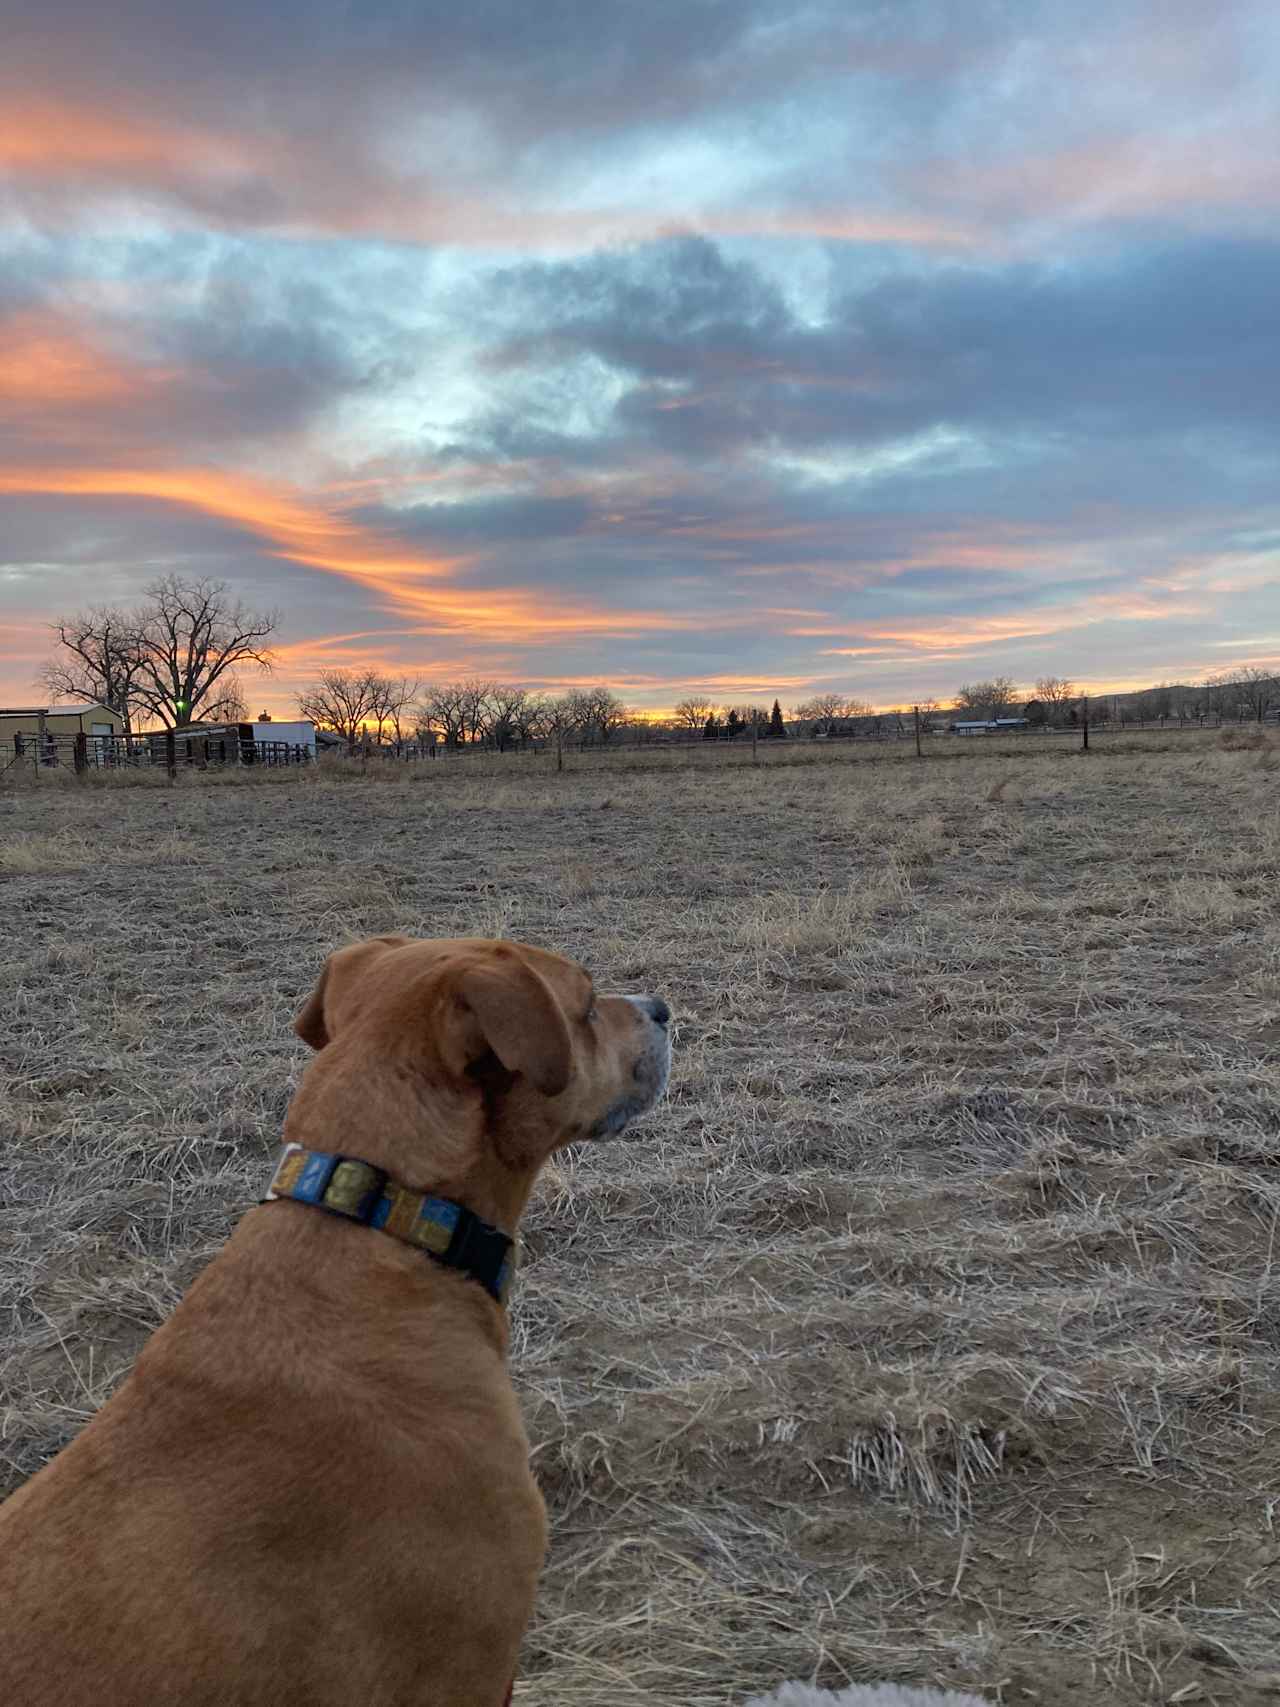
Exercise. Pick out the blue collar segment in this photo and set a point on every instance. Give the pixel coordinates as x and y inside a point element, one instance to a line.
<point>356,1190</point>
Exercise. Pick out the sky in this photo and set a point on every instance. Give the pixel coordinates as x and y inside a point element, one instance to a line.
<point>692,346</point>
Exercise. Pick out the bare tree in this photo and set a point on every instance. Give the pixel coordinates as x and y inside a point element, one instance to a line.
<point>443,708</point>
<point>1057,694</point>
<point>403,691</point>
<point>230,705</point>
<point>1156,701</point>
<point>825,710</point>
<point>506,713</point>
<point>532,716</point>
<point>608,712</point>
<point>821,712</point>
<point>340,700</point>
<point>1220,693</point>
<point>1186,700</point>
<point>189,636</point>
<point>424,732</point>
<point>98,661</point>
<point>692,713</point>
<point>987,699</point>
<point>476,701</point>
<point>556,718</point>
<point>389,697</point>
<point>1256,690</point>
<point>598,713</point>
<point>821,707</point>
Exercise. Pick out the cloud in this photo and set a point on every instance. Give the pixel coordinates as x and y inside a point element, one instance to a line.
<point>418,585</point>
<point>677,343</point>
<point>498,124</point>
<point>710,361</point>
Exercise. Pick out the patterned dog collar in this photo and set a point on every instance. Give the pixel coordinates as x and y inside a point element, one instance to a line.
<point>358,1191</point>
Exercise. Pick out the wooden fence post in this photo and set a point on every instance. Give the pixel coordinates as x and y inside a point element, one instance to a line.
<point>1084,724</point>
<point>755,742</point>
<point>916,710</point>
<point>170,754</point>
<point>80,753</point>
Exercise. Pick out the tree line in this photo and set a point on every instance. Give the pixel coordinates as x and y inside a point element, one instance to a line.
<point>1247,692</point>
<point>356,704</point>
<point>175,658</point>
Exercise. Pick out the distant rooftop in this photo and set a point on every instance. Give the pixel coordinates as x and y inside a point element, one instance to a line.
<point>52,710</point>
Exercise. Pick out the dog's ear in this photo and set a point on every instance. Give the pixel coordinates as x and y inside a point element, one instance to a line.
<point>503,1007</point>
<point>314,1024</point>
<point>309,1024</point>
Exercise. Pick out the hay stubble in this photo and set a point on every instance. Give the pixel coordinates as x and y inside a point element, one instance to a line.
<point>930,1330</point>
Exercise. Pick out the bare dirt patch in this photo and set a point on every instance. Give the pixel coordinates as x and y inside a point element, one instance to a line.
<point>930,1330</point>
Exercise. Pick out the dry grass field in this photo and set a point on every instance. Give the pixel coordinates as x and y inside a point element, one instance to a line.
<point>929,1331</point>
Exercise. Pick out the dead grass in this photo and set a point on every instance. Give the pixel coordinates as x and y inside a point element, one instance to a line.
<point>930,1331</point>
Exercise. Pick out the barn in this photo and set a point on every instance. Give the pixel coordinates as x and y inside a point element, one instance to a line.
<point>54,732</point>
<point>989,726</point>
<point>86,719</point>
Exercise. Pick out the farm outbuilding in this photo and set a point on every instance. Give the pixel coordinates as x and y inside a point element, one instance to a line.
<point>87,719</point>
<point>989,725</point>
<point>263,742</point>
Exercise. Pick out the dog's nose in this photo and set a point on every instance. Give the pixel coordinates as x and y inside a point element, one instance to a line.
<point>657,1009</point>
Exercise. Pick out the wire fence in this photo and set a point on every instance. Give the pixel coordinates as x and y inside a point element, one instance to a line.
<point>175,751</point>
<point>883,732</point>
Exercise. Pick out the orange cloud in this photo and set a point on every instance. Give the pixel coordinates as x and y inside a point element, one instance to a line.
<point>71,397</point>
<point>413,582</point>
<point>964,634</point>
<point>53,139</point>
<point>44,361</point>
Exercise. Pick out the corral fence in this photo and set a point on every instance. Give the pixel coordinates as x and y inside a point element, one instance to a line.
<point>172,751</point>
<point>882,731</point>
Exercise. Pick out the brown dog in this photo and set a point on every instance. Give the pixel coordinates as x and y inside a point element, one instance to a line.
<point>314,1487</point>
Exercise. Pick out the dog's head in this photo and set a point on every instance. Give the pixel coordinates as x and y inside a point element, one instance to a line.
<point>491,1037</point>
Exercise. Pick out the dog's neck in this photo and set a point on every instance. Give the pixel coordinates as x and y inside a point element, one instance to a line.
<point>428,1140</point>
<point>356,1191</point>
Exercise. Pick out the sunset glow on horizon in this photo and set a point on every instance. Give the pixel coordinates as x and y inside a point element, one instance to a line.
<point>741,350</point>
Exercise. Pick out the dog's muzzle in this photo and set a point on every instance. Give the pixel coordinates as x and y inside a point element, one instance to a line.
<point>651,1070</point>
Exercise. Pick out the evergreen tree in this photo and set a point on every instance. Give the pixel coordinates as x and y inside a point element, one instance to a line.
<point>733,725</point>
<point>777,728</point>
<point>711,728</point>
